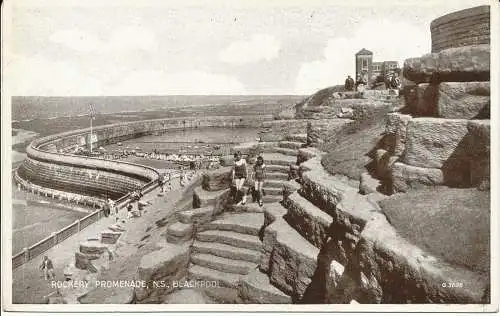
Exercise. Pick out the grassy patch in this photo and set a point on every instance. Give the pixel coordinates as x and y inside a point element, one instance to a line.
<point>453,224</point>
<point>347,152</point>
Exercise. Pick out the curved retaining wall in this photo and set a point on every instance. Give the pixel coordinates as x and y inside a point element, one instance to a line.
<point>461,28</point>
<point>46,167</point>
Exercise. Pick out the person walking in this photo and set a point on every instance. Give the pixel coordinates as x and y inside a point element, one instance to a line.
<point>239,175</point>
<point>161,181</point>
<point>48,268</point>
<point>259,177</point>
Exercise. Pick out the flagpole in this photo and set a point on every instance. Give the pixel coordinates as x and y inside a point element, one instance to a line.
<point>91,133</point>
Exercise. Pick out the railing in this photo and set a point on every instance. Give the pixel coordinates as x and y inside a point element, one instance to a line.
<point>55,238</point>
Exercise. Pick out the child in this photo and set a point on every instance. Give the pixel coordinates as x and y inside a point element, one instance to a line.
<point>239,176</point>
<point>260,176</point>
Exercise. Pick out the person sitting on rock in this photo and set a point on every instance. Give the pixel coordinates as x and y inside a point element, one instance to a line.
<point>48,268</point>
<point>239,175</point>
<point>260,176</point>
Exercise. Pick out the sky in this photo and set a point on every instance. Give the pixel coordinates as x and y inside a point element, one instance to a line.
<point>206,47</point>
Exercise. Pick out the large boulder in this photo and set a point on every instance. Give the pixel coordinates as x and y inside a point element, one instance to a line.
<point>390,269</point>
<point>255,288</point>
<point>463,100</point>
<point>288,258</point>
<point>405,177</point>
<point>163,266</point>
<point>479,144</point>
<point>435,143</point>
<point>452,100</point>
<point>215,180</point>
<point>468,63</point>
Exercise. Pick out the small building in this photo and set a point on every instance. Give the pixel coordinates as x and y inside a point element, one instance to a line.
<point>370,70</point>
<point>364,60</point>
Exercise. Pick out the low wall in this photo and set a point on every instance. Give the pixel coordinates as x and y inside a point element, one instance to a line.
<point>46,166</point>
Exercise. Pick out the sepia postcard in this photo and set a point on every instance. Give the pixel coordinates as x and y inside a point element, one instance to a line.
<point>252,156</point>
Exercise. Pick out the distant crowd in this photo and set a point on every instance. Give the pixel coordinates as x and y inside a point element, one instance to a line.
<point>391,82</point>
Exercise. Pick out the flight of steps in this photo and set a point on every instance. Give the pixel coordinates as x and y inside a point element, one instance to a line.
<point>225,250</point>
<point>278,160</point>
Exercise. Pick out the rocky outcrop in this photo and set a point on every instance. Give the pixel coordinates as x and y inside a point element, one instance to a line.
<point>461,64</point>
<point>166,265</point>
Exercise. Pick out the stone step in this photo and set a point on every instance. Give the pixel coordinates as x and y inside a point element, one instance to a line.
<point>277,175</point>
<point>297,138</point>
<point>277,168</point>
<point>282,150</point>
<point>292,185</point>
<point>224,279</point>
<point>278,159</point>
<point>203,198</point>
<point>291,144</point>
<point>180,229</point>
<point>269,191</point>
<point>226,251</point>
<point>255,288</point>
<point>307,219</point>
<point>199,215</point>
<point>223,264</point>
<point>230,238</point>
<point>245,223</point>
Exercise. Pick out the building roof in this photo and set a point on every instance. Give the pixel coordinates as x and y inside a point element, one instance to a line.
<point>364,51</point>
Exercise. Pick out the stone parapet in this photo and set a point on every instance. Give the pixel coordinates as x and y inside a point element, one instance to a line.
<point>462,28</point>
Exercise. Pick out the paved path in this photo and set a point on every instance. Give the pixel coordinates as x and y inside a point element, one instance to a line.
<point>28,283</point>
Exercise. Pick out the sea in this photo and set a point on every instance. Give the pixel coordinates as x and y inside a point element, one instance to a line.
<point>48,115</point>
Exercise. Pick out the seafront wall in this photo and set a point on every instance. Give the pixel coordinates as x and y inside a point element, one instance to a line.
<point>47,166</point>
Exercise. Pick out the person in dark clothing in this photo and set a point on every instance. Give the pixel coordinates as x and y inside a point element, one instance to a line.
<point>260,176</point>
<point>106,208</point>
<point>48,268</point>
<point>349,84</point>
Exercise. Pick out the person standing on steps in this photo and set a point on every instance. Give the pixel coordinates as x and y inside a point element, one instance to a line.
<point>239,175</point>
<point>260,175</point>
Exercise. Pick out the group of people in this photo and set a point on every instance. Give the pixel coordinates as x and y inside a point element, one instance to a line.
<point>240,175</point>
<point>391,82</point>
<point>351,85</point>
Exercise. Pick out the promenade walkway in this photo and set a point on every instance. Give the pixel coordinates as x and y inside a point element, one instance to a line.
<point>28,283</point>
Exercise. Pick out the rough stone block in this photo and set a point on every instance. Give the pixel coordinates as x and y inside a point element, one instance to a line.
<point>196,215</point>
<point>469,63</point>
<point>215,180</point>
<point>84,261</point>
<point>405,177</point>
<point>305,154</point>
<point>292,259</point>
<point>167,264</point>
<point>307,219</point>
<point>463,100</point>
<point>479,144</point>
<point>368,184</point>
<point>110,237</point>
<point>435,143</point>
<point>202,198</point>
<point>255,288</point>
<point>93,247</point>
<point>322,131</point>
<point>392,269</point>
